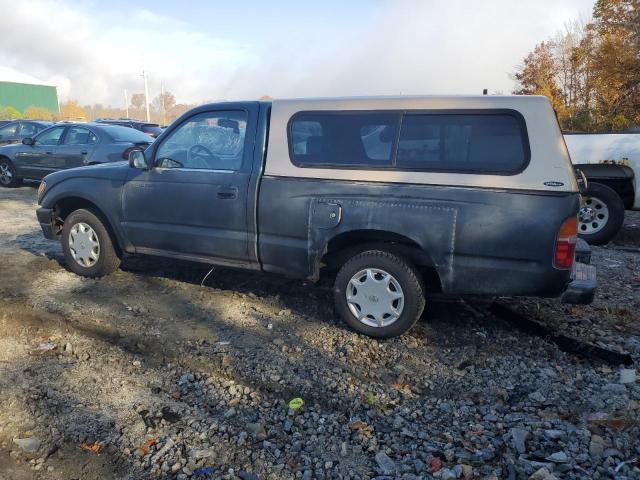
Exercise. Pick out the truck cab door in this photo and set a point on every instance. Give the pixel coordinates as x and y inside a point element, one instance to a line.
<point>193,202</point>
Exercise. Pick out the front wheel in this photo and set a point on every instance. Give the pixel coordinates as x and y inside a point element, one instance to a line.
<point>87,245</point>
<point>379,293</point>
<point>8,176</point>
<point>601,214</point>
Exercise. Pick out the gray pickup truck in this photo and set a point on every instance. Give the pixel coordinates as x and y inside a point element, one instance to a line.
<point>395,196</point>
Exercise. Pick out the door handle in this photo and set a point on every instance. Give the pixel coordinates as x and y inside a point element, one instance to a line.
<point>48,153</point>
<point>84,153</point>
<point>228,193</point>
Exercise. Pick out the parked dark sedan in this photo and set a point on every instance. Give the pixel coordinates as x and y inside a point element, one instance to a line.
<point>151,129</point>
<point>15,131</point>
<point>67,146</point>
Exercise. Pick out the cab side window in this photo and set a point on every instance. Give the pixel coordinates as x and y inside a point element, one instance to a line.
<point>207,141</point>
<point>50,137</point>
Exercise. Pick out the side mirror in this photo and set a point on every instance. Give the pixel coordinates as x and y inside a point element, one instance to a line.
<point>583,184</point>
<point>27,141</point>
<point>137,160</point>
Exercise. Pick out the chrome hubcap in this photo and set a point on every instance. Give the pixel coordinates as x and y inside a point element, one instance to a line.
<point>5,174</point>
<point>375,297</point>
<point>593,215</point>
<point>84,245</point>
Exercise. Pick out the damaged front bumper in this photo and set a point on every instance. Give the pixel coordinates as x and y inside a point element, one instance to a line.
<point>47,223</point>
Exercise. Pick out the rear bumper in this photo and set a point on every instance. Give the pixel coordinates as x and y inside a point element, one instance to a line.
<point>582,287</point>
<point>45,218</point>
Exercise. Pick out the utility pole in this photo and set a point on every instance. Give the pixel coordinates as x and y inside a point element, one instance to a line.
<point>164,116</point>
<point>146,95</point>
<point>126,103</point>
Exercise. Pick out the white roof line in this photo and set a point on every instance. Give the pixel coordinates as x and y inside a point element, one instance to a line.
<point>10,75</point>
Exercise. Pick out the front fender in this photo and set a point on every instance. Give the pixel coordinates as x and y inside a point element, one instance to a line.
<point>103,194</point>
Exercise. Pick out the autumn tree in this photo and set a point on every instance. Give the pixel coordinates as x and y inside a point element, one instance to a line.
<point>590,73</point>
<point>161,107</point>
<point>178,110</point>
<point>9,113</point>
<point>616,62</point>
<point>137,100</point>
<point>538,75</point>
<point>70,110</point>
<point>38,113</point>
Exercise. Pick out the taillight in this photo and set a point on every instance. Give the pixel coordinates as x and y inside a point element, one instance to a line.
<point>566,243</point>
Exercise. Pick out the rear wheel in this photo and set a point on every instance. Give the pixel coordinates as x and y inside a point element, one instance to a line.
<point>87,245</point>
<point>379,293</point>
<point>8,176</point>
<point>601,214</point>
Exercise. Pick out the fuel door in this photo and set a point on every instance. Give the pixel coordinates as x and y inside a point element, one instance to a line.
<point>326,215</point>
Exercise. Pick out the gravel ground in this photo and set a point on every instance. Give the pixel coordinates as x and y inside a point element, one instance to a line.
<point>147,374</point>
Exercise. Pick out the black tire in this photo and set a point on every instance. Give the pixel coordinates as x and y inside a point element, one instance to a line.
<point>8,175</point>
<point>107,258</point>
<point>402,271</point>
<point>596,195</point>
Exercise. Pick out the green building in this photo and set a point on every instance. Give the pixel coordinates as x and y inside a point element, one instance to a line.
<point>22,91</point>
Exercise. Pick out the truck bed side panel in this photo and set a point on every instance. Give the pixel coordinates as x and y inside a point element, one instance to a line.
<point>481,241</point>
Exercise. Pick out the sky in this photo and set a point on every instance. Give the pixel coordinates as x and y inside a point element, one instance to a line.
<point>213,50</point>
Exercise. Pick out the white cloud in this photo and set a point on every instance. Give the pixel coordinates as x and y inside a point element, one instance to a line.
<point>407,46</point>
<point>421,47</point>
<point>93,58</point>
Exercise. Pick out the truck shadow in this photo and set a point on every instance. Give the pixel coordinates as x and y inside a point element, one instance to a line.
<point>307,300</point>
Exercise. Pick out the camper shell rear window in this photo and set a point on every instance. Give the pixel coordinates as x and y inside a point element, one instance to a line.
<point>493,141</point>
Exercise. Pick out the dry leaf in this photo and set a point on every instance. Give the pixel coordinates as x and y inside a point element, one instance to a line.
<point>435,464</point>
<point>91,447</point>
<point>359,426</point>
<point>145,448</point>
<point>620,423</point>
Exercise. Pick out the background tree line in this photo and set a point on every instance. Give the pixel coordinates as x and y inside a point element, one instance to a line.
<point>163,110</point>
<point>590,72</point>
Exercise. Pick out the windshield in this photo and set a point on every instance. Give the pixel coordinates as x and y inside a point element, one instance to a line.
<point>126,134</point>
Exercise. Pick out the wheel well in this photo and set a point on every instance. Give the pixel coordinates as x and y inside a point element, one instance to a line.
<point>345,245</point>
<point>68,205</point>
